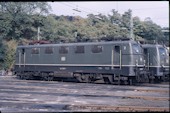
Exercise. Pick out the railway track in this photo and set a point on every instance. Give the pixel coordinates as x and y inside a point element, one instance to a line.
<point>98,108</point>
<point>54,96</point>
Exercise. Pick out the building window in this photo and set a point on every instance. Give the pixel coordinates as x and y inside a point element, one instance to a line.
<point>63,50</point>
<point>35,50</point>
<point>79,49</point>
<point>96,49</point>
<point>48,50</point>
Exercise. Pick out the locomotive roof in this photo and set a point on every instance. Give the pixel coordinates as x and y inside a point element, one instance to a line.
<point>79,43</point>
<point>152,45</point>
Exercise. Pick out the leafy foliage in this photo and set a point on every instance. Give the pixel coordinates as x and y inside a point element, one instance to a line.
<point>2,54</point>
<point>9,58</point>
<point>17,20</point>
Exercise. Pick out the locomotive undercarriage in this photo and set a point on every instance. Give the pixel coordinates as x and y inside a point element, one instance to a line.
<point>141,76</point>
<point>79,77</point>
<point>106,78</point>
<point>46,76</point>
<point>156,77</point>
<point>166,74</point>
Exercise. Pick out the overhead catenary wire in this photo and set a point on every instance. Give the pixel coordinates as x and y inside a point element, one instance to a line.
<point>117,7</point>
<point>93,11</point>
<point>79,9</point>
<point>87,8</point>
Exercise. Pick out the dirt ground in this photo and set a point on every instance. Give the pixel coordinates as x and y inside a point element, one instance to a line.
<point>54,96</point>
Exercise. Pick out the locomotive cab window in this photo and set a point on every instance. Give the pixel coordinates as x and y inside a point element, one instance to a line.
<point>35,51</point>
<point>136,48</point>
<point>162,51</point>
<point>63,50</point>
<point>48,50</point>
<point>79,49</point>
<point>96,49</point>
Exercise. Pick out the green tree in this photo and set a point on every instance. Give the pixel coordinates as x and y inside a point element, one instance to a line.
<point>15,17</point>
<point>126,19</point>
<point>9,57</point>
<point>165,31</point>
<point>115,18</point>
<point>2,54</point>
<point>92,19</point>
<point>138,27</point>
<point>152,31</point>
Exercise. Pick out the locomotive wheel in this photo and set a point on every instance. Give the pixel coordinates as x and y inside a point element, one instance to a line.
<point>106,80</point>
<point>91,79</point>
<point>85,78</point>
<point>82,78</point>
<point>18,76</point>
<point>146,79</point>
<point>26,77</point>
<point>79,78</point>
<point>157,79</point>
<point>151,79</point>
<point>132,81</point>
<point>47,78</point>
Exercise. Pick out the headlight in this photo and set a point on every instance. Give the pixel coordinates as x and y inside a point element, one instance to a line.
<point>141,59</point>
<point>167,61</point>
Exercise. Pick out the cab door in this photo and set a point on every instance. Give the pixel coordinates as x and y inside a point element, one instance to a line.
<point>146,57</point>
<point>22,57</point>
<point>117,56</point>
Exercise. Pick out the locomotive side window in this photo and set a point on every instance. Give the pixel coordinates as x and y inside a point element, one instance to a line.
<point>96,49</point>
<point>48,50</point>
<point>35,51</point>
<point>163,56</point>
<point>63,50</point>
<point>79,49</point>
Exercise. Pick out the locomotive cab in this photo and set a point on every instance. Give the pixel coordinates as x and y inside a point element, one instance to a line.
<point>137,70</point>
<point>128,62</point>
<point>164,63</point>
<point>157,61</point>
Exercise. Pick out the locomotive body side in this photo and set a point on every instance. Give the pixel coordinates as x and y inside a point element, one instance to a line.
<point>86,62</point>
